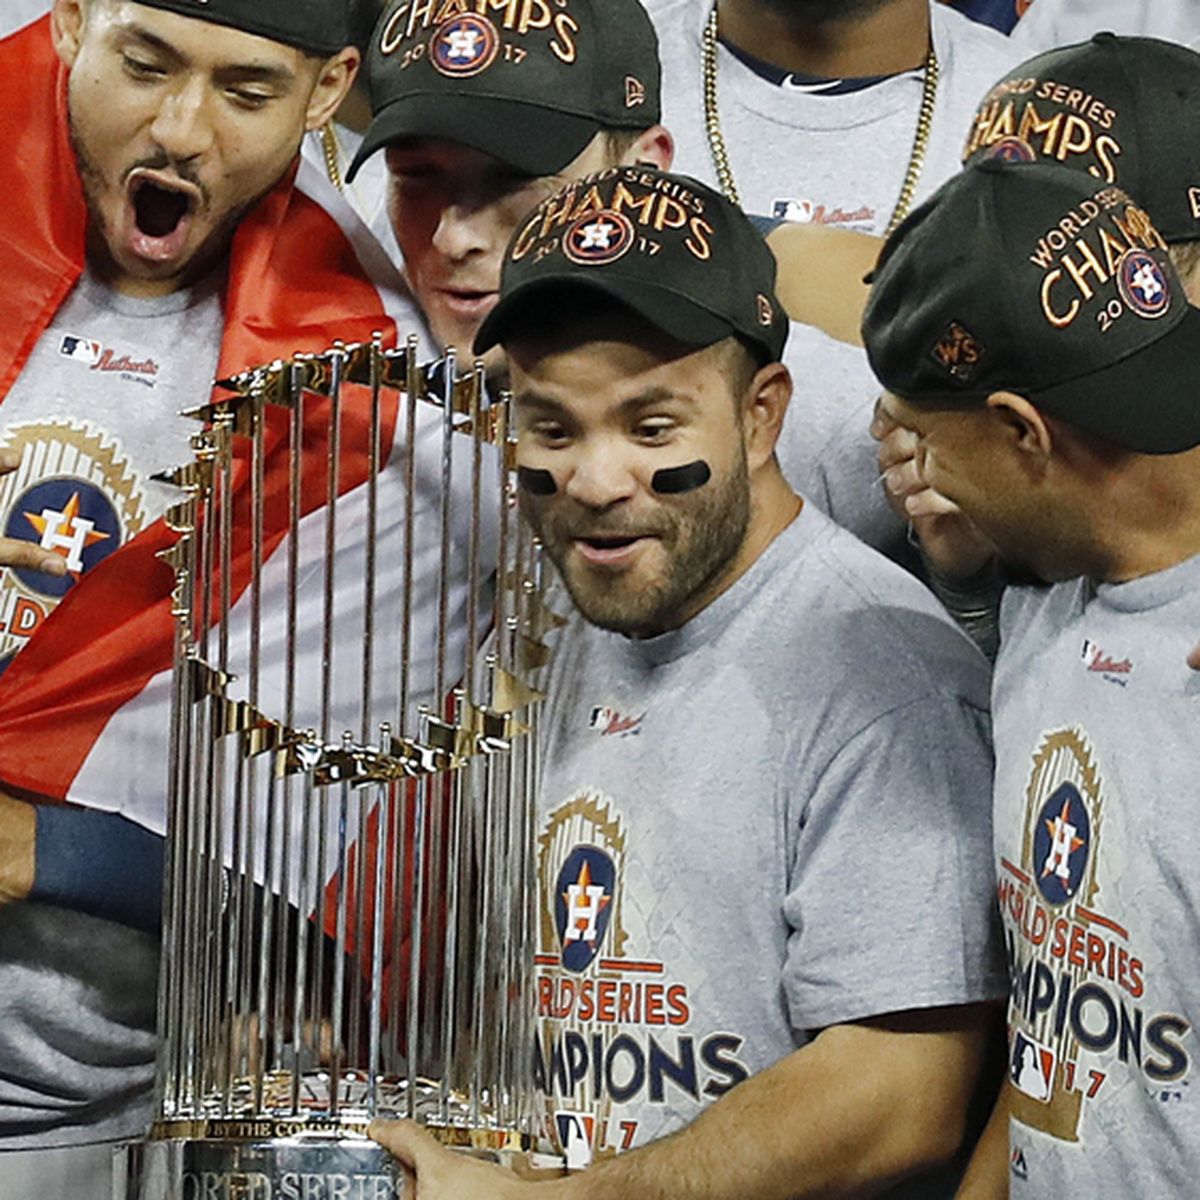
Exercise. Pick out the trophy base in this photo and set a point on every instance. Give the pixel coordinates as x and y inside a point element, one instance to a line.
<point>298,1168</point>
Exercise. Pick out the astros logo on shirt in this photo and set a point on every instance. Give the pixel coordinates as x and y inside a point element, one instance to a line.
<point>598,238</point>
<point>464,45</point>
<point>73,495</point>
<point>582,904</point>
<point>1143,284</point>
<point>1061,841</point>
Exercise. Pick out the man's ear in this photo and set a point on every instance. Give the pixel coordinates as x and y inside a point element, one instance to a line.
<point>655,147</point>
<point>67,20</point>
<point>1028,431</point>
<point>333,84</point>
<point>764,406</point>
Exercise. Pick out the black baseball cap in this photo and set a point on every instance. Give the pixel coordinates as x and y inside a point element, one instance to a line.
<point>666,246</point>
<point>1121,108</point>
<point>530,84</point>
<point>1036,279</point>
<point>316,26</point>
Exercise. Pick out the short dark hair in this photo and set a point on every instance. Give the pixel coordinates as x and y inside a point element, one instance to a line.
<point>618,142</point>
<point>1184,256</point>
<point>746,360</point>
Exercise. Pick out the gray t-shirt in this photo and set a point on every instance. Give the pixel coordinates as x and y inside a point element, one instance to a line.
<point>767,822</point>
<point>95,412</point>
<point>1096,851</point>
<point>1051,23</point>
<point>836,160</point>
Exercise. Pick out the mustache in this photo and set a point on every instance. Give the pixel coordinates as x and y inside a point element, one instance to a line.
<point>565,519</point>
<point>162,162</point>
<point>573,526</point>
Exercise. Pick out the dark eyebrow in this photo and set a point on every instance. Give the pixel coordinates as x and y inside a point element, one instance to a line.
<point>654,397</point>
<point>535,400</point>
<point>278,76</point>
<point>651,398</point>
<point>153,41</point>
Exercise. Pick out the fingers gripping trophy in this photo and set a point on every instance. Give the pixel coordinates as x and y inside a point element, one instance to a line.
<point>347,915</point>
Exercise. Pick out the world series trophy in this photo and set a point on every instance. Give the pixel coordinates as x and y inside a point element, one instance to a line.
<point>348,915</point>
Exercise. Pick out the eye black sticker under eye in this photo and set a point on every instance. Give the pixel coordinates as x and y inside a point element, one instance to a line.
<point>671,481</point>
<point>535,482</point>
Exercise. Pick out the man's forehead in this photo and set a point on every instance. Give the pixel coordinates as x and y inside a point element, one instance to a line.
<point>612,372</point>
<point>209,35</point>
<point>192,36</point>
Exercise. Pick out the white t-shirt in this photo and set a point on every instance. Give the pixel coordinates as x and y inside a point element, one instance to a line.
<point>836,160</point>
<point>1051,23</point>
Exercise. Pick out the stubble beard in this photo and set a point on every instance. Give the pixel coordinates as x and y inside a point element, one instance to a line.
<point>700,541</point>
<point>100,238</point>
<point>822,12</point>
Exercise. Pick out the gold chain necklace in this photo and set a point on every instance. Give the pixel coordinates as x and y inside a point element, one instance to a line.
<point>333,154</point>
<point>720,153</point>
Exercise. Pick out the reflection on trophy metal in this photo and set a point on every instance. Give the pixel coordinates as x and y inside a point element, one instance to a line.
<point>348,920</point>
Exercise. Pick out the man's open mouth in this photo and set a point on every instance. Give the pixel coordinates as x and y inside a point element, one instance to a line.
<point>161,210</point>
<point>609,549</point>
<point>610,543</point>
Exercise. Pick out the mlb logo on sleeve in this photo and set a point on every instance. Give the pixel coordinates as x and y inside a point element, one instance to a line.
<point>79,349</point>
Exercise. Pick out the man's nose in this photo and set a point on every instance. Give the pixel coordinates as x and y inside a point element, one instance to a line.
<point>599,476</point>
<point>462,230</point>
<point>183,125</point>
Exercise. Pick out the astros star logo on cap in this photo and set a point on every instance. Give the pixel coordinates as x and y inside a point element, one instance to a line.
<point>464,45</point>
<point>1012,149</point>
<point>599,237</point>
<point>1143,284</point>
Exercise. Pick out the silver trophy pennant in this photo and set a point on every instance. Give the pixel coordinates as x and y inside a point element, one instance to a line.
<point>348,918</point>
